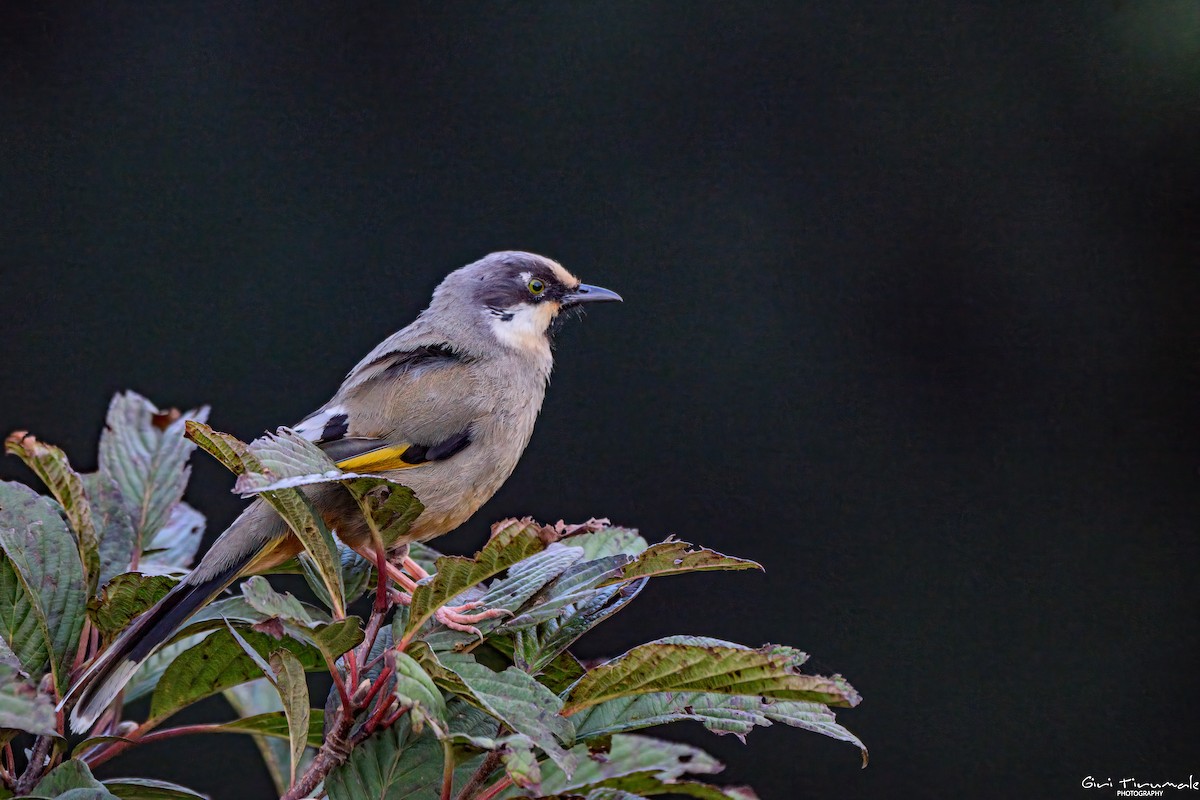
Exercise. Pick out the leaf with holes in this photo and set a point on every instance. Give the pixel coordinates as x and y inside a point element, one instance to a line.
<point>685,663</point>
<point>675,557</point>
<point>124,598</point>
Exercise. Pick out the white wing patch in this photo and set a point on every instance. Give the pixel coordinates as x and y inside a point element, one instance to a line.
<point>328,424</point>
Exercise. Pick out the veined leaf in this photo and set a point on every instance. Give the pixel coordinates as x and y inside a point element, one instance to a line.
<point>576,585</point>
<point>46,561</point>
<point>629,756</point>
<point>675,557</point>
<point>513,697</point>
<point>270,603</point>
<point>707,665</point>
<point>609,542</point>
<point>456,574</point>
<point>389,507</point>
<point>394,763</point>
<point>736,714</point>
<point>124,598</point>
<point>149,789</point>
<point>291,504</point>
<point>22,706</point>
<point>293,691</point>
<point>144,451</point>
<point>71,774</point>
<point>412,686</point>
<point>114,525</point>
<point>50,464</point>
<point>174,547</point>
<point>559,634</point>
<point>332,638</point>
<point>217,663</point>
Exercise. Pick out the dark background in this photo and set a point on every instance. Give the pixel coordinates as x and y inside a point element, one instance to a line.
<point>911,319</point>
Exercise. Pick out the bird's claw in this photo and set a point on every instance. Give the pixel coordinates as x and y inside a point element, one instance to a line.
<point>456,619</point>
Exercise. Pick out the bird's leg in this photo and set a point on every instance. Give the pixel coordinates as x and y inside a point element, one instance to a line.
<point>455,617</point>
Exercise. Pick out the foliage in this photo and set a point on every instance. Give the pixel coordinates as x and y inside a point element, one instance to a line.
<point>417,710</point>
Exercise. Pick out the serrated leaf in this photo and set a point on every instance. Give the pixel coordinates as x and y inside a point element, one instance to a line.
<point>45,559</point>
<point>22,706</point>
<point>675,557</point>
<point>629,757</point>
<point>50,464</point>
<point>609,542</point>
<point>124,598</point>
<point>515,698</point>
<point>456,574</point>
<point>217,663</point>
<point>736,714</point>
<point>706,665</point>
<point>293,691</point>
<point>579,584</point>
<point>291,504</point>
<point>389,507</point>
<point>114,525</point>
<point>149,789</point>
<point>332,638</point>
<point>390,765</point>
<point>174,547</point>
<point>144,451</point>
<point>19,625</point>
<point>559,634</point>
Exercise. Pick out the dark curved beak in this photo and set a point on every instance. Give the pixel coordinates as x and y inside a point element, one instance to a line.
<point>584,293</point>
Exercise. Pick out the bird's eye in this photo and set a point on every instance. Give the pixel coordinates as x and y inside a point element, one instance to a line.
<point>536,286</point>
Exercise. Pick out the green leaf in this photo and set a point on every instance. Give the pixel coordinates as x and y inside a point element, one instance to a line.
<point>149,789</point>
<point>22,706</point>
<point>293,691</point>
<point>174,547</point>
<point>392,764</point>
<point>579,584</point>
<point>557,635</point>
<point>19,624</point>
<point>456,574</point>
<point>144,451</point>
<point>124,598</point>
<point>45,559</point>
<point>736,714</point>
<point>217,663</point>
<point>50,464</point>
<point>114,525</point>
<point>413,687</point>
<point>707,665</point>
<point>282,452</point>
<point>513,697</point>
<point>71,774</point>
<point>629,757</point>
<point>609,542</point>
<point>270,603</point>
<point>674,557</point>
<point>388,506</point>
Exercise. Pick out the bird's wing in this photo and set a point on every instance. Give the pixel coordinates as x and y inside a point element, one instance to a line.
<point>402,409</point>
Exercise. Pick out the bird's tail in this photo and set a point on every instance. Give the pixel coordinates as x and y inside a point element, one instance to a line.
<point>107,676</point>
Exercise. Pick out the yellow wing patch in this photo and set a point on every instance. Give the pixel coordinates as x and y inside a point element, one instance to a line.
<point>381,460</point>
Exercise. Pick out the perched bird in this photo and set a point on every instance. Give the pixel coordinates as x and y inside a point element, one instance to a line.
<point>445,406</point>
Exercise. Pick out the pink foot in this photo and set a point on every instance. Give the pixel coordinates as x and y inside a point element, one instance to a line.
<point>454,618</point>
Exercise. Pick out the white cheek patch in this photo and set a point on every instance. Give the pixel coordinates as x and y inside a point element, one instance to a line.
<point>523,326</point>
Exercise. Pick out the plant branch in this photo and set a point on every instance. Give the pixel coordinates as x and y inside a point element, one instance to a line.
<point>490,762</point>
<point>447,769</point>
<point>36,766</point>
<point>495,789</point>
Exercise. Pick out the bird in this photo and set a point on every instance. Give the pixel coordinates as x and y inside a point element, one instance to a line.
<point>445,406</point>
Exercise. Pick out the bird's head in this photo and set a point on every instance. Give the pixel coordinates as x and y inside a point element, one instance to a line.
<point>516,297</point>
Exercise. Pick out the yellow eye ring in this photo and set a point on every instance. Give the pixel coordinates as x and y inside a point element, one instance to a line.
<point>536,286</point>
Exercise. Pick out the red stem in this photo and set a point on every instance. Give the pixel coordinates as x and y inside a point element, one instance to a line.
<point>495,789</point>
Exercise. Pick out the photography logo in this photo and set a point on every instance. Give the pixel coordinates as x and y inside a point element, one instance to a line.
<point>1136,787</point>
